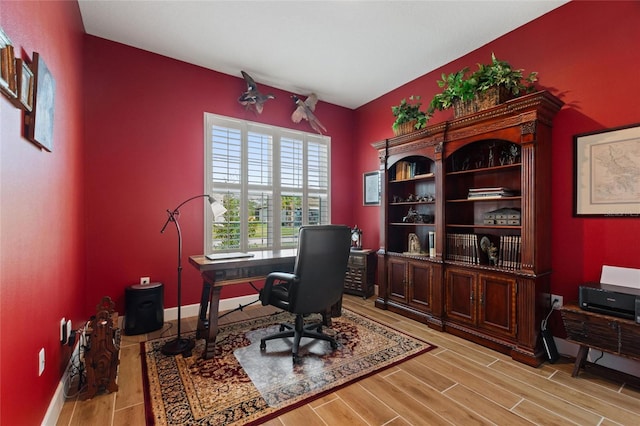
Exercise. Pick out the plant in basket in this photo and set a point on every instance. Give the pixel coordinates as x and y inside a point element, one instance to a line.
<point>408,116</point>
<point>489,85</point>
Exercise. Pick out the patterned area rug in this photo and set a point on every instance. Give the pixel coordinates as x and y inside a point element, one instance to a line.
<point>243,385</point>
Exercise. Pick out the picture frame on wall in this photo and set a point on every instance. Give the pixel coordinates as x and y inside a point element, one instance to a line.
<point>607,172</point>
<point>24,98</point>
<point>7,67</point>
<point>39,122</point>
<point>371,188</point>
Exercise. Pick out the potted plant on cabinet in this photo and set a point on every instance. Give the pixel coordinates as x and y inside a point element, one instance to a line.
<point>489,85</point>
<point>408,116</point>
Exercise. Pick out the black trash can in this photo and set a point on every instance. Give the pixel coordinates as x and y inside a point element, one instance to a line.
<point>144,308</point>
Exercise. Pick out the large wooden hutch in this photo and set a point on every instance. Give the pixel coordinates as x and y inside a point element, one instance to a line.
<point>478,187</point>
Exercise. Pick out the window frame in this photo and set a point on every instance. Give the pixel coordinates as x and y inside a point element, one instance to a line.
<point>277,134</point>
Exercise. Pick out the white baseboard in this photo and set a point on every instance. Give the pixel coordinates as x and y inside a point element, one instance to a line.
<point>55,406</point>
<point>186,311</point>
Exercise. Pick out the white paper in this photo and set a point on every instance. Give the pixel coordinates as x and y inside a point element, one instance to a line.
<point>624,277</point>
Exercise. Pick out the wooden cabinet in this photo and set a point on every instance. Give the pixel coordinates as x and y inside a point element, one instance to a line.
<point>605,333</point>
<point>485,301</point>
<point>474,194</point>
<point>360,275</point>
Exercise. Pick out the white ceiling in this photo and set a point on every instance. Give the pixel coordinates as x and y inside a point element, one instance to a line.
<point>347,52</point>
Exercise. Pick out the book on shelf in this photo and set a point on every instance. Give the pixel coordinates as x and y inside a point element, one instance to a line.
<point>424,175</point>
<point>432,244</point>
<point>509,256</point>
<point>463,248</point>
<point>502,251</point>
<point>409,170</point>
<point>498,192</point>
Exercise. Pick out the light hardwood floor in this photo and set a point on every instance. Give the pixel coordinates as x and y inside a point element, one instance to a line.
<point>458,383</point>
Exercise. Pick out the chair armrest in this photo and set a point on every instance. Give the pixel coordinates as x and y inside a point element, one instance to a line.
<point>274,278</point>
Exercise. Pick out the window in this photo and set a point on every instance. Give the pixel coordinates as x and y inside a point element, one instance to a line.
<point>271,180</point>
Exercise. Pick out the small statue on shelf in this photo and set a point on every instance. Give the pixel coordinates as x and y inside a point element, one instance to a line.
<point>514,152</point>
<point>414,244</point>
<point>412,216</point>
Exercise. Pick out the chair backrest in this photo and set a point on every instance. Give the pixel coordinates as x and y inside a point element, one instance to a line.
<point>321,265</point>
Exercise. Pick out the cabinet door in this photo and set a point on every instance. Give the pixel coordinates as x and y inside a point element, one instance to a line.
<point>497,304</point>
<point>420,285</point>
<point>460,295</point>
<point>397,280</point>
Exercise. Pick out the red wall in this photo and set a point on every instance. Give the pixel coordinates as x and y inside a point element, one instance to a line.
<point>145,154</point>
<point>84,221</point>
<point>41,201</point>
<point>586,53</point>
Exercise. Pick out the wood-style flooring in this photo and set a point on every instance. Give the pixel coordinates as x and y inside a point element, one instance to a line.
<point>458,383</point>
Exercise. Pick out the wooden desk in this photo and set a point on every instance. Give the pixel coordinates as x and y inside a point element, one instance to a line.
<point>605,333</point>
<point>219,273</point>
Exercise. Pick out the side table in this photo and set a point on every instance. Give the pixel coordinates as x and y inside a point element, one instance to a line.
<point>360,273</point>
<point>607,333</point>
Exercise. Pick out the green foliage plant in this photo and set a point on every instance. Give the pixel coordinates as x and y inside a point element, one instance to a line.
<point>409,110</point>
<point>463,85</point>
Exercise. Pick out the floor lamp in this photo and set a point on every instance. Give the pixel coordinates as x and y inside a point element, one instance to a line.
<point>180,345</point>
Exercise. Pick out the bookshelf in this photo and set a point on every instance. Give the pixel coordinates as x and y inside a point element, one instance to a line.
<point>477,188</point>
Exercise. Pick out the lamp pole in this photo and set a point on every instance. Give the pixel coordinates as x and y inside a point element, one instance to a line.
<point>179,345</point>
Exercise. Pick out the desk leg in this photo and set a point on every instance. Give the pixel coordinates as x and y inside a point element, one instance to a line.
<point>580,359</point>
<point>208,327</point>
<point>212,332</point>
<point>205,300</point>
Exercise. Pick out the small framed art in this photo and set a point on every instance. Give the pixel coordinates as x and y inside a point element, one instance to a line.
<point>39,122</point>
<point>7,67</point>
<point>607,172</point>
<point>25,86</point>
<point>371,188</point>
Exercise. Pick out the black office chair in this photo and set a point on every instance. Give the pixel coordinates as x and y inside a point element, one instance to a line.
<point>315,285</point>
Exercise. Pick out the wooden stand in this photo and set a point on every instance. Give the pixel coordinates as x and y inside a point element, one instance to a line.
<point>102,355</point>
<point>605,333</point>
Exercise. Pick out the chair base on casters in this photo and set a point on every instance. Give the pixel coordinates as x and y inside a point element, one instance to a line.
<point>298,331</point>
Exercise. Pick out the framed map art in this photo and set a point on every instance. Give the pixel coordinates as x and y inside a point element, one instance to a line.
<point>607,172</point>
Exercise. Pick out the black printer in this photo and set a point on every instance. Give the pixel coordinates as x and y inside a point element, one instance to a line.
<point>619,301</point>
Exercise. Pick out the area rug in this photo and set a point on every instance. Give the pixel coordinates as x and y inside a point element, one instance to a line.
<point>243,385</point>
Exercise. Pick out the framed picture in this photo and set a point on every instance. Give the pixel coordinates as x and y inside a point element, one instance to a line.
<point>25,86</point>
<point>371,188</point>
<point>39,122</point>
<point>607,173</point>
<point>7,67</point>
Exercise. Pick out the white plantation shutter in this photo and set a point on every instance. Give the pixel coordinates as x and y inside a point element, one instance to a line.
<point>271,181</point>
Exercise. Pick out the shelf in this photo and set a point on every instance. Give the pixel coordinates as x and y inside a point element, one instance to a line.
<point>411,203</point>
<point>414,179</point>
<point>475,200</point>
<point>486,169</point>
<point>410,224</point>
<point>484,226</point>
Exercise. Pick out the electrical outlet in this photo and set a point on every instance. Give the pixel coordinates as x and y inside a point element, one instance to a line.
<point>63,331</point>
<point>559,302</point>
<point>145,280</point>
<point>41,362</point>
<point>69,330</point>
